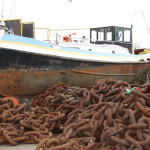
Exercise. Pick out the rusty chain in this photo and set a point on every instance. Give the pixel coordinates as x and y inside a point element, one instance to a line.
<point>110,115</point>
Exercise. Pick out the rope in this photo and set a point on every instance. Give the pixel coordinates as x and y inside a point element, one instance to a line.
<point>13,5</point>
<point>129,91</point>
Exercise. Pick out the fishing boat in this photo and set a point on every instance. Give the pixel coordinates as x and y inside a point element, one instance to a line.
<point>28,66</point>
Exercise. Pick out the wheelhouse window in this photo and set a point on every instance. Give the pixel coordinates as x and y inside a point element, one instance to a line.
<point>118,34</point>
<point>127,35</point>
<point>94,36</point>
<point>108,34</point>
<point>101,35</point>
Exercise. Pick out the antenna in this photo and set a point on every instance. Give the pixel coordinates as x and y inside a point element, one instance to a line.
<point>145,22</point>
<point>142,13</point>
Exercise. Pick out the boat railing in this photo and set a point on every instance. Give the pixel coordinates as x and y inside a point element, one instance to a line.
<point>77,40</point>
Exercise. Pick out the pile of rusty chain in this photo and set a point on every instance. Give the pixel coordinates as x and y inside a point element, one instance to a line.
<point>40,100</point>
<point>20,126</point>
<point>111,115</point>
<point>72,96</point>
<point>114,113</point>
<point>61,100</point>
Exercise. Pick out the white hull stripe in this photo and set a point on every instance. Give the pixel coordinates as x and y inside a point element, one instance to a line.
<point>42,48</point>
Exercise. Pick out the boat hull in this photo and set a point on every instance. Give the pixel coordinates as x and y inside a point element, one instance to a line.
<point>29,74</point>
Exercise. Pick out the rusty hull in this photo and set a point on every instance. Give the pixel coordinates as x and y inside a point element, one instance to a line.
<point>26,74</point>
<point>31,82</point>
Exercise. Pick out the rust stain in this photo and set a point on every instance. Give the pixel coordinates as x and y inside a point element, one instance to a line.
<point>123,68</point>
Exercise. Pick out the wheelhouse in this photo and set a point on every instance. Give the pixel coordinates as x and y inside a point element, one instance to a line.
<point>112,35</point>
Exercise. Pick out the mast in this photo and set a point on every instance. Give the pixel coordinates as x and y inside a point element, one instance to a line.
<point>2,23</point>
<point>141,13</point>
<point>2,15</point>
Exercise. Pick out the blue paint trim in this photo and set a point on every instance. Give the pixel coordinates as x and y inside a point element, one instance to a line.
<point>16,38</point>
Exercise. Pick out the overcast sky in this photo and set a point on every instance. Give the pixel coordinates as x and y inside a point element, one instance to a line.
<point>56,14</point>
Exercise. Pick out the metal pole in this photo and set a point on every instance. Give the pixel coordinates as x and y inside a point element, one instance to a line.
<point>132,39</point>
<point>21,27</point>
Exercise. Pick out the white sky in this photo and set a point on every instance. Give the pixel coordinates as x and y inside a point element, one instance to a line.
<point>56,14</point>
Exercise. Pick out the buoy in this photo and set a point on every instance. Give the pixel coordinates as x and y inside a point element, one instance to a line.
<point>15,100</point>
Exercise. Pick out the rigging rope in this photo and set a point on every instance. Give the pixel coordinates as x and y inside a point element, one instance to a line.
<point>13,5</point>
